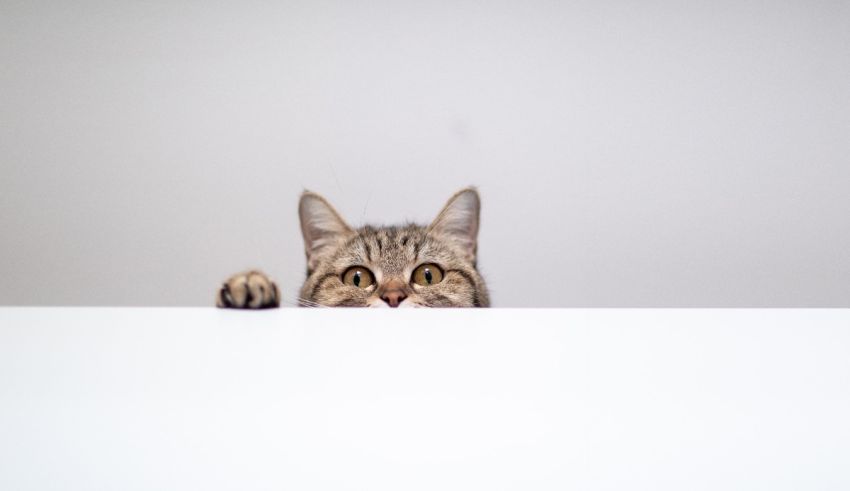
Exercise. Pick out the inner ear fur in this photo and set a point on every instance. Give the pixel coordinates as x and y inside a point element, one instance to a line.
<point>321,226</point>
<point>458,221</point>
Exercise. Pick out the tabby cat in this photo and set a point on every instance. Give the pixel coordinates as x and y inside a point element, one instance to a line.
<point>398,266</point>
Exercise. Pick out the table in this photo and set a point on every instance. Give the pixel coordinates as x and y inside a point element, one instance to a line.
<point>416,399</point>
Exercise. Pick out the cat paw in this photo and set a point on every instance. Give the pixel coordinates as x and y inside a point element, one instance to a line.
<point>248,290</point>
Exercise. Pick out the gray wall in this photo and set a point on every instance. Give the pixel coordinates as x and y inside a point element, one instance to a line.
<point>628,153</point>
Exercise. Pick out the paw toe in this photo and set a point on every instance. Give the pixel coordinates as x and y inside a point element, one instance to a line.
<point>249,290</point>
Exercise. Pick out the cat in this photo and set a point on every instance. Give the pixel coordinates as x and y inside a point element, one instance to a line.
<point>397,266</point>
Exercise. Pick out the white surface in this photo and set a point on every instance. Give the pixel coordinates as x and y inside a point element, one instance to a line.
<point>423,399</point>
<point>662,153</point>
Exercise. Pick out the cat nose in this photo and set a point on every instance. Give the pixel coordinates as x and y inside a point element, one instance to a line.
<point>393,292</point>
<point>393,297</point>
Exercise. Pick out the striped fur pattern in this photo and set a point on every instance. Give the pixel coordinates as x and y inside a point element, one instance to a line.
<point>392,254</point>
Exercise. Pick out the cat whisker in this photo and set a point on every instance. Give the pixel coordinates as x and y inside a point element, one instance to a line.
<point>303,302</point>
<point>287,302</point>
<point>298,302</point>
<point>293,304</point>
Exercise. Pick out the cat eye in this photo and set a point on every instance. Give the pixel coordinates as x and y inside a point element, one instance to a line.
<point>427,275</point>
<point>358,276</point>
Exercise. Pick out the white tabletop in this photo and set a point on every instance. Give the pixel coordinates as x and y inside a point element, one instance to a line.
<point>301,399</point>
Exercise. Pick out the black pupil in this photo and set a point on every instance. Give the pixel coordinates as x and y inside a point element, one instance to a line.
<point>357,278</point>
<point>428,276</point>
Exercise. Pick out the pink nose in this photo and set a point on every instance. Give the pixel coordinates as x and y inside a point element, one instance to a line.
<point>393,297</point>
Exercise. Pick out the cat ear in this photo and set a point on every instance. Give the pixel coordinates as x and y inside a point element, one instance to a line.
<point>458,221</point>
<point>321,226</point>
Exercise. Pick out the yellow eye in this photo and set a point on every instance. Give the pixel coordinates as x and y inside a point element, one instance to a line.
<point>427,275</point>
<point>358,276</point>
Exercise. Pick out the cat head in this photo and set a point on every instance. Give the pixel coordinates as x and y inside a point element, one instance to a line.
<point>398,266</point>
